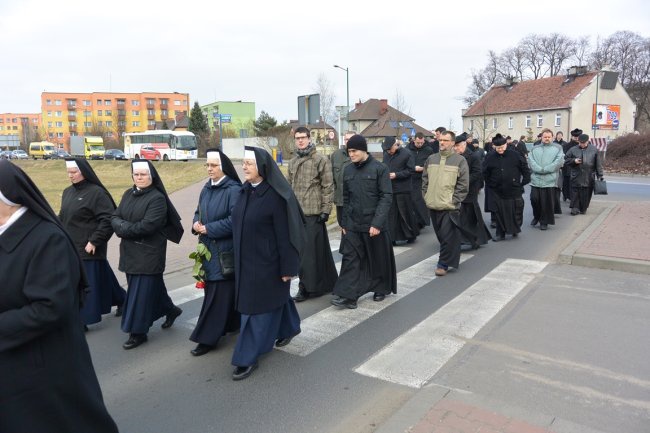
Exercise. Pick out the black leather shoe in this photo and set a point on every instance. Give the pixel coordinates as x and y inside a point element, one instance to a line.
<point>171,317</point>
<point>134,341</point>
<point>543,226</point>
<point>281,342</point>
<point>534,222</point>
<point>119,311</point>
<point>574,212</point>
<point>499,238</point>
<point>85,328</point>
<point>344,302</point>
<point>300,297</point>
<point>201,349</point>
<point>378,297</point>
<point>242,373</point>
<point>514,235</point>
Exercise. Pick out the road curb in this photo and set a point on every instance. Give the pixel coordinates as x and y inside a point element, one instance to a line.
<point>566,256</point>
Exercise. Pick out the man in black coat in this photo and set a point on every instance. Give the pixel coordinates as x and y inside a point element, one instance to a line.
<point>420,152</point>
<point>583,163</point>
<point>566,172</point>
<point>368,263</point>
<point>47,380</point>
<point>402,222</point>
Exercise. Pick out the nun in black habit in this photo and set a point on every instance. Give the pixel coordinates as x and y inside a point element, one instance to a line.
<point>268,233</point>
<point>47,380</point>
<point>145,220</point>
<point>86,210</point>
<point>213,225</point>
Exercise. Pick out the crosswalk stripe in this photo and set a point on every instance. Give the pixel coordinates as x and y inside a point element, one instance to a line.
<point>324,326</point>
<point>185,294</point>
<point>415,357</point>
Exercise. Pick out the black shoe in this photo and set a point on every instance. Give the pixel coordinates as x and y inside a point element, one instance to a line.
<point>534,222</point>
<point>171,317</point>
<point>134,341</point>
<point>300,297</point>
<point>410,241</point>
<point>242,373</point>
<point>85,328</point>
<point>499,238</point>
<point>543,226</point>
<point>344,302</point>
<point>378,297</point>
<point>119,311</point>
<point>281,342</point>
<point>493,224</point>
<point>574,212</point>
<point>514,235</point>
<point>201,349</point>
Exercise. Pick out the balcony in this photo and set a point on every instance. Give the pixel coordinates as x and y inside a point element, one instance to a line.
<point>72,118</point>
<point>150,127</point>
<point>163,106</point>
<point>121,117</point>
<point>72,128</point>
<point>151,117</point>
<point>72,107</point>
<point>163,116</point>
<point>150,106</point>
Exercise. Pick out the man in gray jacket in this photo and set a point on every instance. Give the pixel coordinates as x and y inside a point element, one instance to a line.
<point>582,161</point>
<point>545,161</point>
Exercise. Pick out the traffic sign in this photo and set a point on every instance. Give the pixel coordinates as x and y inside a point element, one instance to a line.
<point>405,137</point>
<point>412,132</point>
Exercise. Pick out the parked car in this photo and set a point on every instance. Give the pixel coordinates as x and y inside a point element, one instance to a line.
<point>149,152</point>
<point>114,154</point>
<point>19,154</point>
<point>60,154</point>
<point>5,154</point>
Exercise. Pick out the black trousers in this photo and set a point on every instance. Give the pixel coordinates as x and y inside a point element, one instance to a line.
<point>446,223</point>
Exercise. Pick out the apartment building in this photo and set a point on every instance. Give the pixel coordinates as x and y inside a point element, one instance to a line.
<point>24,126</point>
<point>107,114</point>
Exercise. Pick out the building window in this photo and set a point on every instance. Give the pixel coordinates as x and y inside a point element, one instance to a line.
<point>99,112</point>
<point>135,113</point>
<point>107,102</point>
<point>151,101</point>
<point>50,134</point>
<point>177,102</point>
<point>59,124</point>
<point>109,124</point>
<point>57,102</point>
<point>540,120</point>
<point>120,102</point>
<point>49,114</point>
<point>558,119</point>
<point>152,123</point>
<point>121,124</point>
<point>108,113</point>
<point>88,124</point>
<point>135,123</point>
<point>87,113</point>
<point>135,102</point>
<point>73,124</point>
<point>59,135</point>
<point>471,124</point>
<point>151,112</point>
<point>99,102</point>
<point>58,114</point>
<point>163,113</point>
<point>99,123</point>
<point>527,125</point>
<point>48,102</point>
<point>485,123</point>
<point>109,133</point>
<point>86,102</point>
<point>511,122</point>
<point>494,123</point>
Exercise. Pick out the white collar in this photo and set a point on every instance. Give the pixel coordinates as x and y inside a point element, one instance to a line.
<point>12,219</point>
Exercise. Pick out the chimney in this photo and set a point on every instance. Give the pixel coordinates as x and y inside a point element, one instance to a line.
<point>574,71</point>
<point>383,106</point>
<point>357,104</point>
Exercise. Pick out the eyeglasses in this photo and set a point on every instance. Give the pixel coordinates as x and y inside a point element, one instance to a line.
<point>302,137</point>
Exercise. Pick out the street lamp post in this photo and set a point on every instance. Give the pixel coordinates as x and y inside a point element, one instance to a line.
<point>347,86</point>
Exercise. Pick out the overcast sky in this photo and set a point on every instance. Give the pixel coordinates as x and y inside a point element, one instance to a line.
<point>272,52</point>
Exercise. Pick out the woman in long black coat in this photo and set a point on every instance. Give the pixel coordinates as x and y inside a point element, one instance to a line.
<point>47,380</point>
<point>268,234</point>
<point>86,210</point>
<point>213,224</point>
<point>145,220</point>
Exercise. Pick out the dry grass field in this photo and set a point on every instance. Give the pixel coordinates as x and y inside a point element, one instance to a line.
<point>51,178</point>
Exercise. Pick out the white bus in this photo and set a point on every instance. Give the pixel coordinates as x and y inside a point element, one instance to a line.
<point>172,145</point>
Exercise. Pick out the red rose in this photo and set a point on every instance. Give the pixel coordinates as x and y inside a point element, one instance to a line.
<point>200,285</point>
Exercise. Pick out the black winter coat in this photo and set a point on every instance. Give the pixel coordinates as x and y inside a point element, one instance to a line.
<point>582,175</point>
<point>47,380</point>
<point>419,157</point>
<point>214,211</point>
<point>263,253</point>
<point>475,175</point>
<point>86,211</point>
<point>402,164</point>
<point>506,174</point>
<point>367,196</point>
<point>138,220</point>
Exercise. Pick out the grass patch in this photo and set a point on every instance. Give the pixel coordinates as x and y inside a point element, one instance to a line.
<point>51,177</point>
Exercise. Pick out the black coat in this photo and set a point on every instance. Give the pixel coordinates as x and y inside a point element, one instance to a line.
<point>139,220</point>
<point>582,175</point>
<point>367,196</point>
<point>402,164</point>
<point>475,175</point>
<point>419,156</point>
<point>47,380</point>
<point>86,211</point>
<point>263,253</point>
<point>214,211</point>
<point>506,173</point>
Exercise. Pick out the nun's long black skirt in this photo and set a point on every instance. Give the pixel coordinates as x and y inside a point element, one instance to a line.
<point>367,265</point>
<point>402,222</point>
<point>542,201</point>
<point>474,231</point>
<point>510,215</point>
<point>104,291</point>
<point>317,270</point>
<point>146,301</point>
<point>218,315</point>
<point>258,332</point>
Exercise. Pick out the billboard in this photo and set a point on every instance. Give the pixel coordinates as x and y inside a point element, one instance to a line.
<point>605,116</point>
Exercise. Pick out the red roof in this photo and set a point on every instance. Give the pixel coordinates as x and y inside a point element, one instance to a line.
<point>532,95</point>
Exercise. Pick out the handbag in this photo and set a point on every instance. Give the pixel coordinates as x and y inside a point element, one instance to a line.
<point>600,187</point>
<point>227,262</point>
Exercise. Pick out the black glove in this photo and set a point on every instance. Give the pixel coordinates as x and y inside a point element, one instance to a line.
<point>322,218</point>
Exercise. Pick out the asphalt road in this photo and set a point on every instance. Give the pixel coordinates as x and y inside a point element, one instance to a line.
<point>565,341</point>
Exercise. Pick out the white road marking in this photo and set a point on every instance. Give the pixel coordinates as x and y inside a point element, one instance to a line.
<point>324,326</point>
<point>415,357</point>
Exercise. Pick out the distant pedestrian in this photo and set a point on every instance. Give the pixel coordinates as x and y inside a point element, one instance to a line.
<point>506,172</point>
<point>213,224</point>
<point>48,383</point>
<point>368,263</point>
<point>339,160</point>
<point>268,235</point>
<point>445,182</point>
<point>583,162</point>
<point>310,177</point>
<point>402,221</point>
<point>145,219</point>
<point>435,144</point>
<point>420,152</point>
<point>86,211</point>
<point>544,161</point>
<point>566,170</point>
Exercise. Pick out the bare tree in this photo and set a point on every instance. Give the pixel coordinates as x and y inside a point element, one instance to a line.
<point>581,51</point>
<point>324,88</point>
<point>556,49</point>
<point>515,58</point>
<point>532,45</point>
<point>399,103</point>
